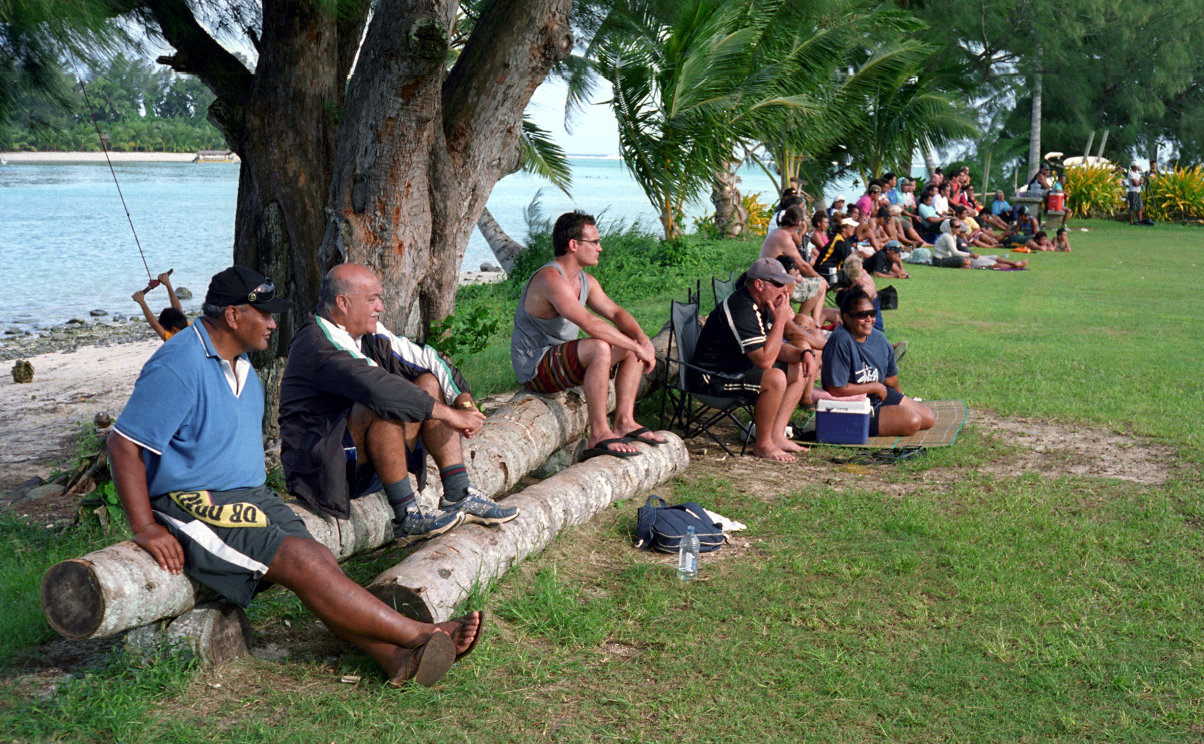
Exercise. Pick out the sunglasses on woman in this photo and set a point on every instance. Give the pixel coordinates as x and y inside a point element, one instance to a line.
<point>863,314</point>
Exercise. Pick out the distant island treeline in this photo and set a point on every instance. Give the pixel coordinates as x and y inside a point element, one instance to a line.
<point>138,107</point>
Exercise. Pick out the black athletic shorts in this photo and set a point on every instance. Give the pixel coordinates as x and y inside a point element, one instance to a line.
<point>747,386</point>
<point>893,398</point>
<point>230,538</point>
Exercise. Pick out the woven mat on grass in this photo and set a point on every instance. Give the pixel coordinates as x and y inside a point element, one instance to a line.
<point>951,416</point>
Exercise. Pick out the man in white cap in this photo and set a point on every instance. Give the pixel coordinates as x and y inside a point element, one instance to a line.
<point>1134,182</point>
<point>743,338</point>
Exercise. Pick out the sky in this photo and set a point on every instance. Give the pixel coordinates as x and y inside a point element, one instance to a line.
<point>594,129</point>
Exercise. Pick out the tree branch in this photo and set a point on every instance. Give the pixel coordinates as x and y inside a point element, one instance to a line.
<point>197,53</point>
<point>351,31</point>
<point>511,49</point>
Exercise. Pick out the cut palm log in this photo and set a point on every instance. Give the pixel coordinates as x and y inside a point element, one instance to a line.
<point>432,581</point>
<point>213,633</point>
<point>121,586</point>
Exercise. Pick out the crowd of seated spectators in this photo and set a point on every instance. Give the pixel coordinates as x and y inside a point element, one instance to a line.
<point>843,248</point>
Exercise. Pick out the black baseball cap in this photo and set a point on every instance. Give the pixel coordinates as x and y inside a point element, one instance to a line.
<point>239,285</point>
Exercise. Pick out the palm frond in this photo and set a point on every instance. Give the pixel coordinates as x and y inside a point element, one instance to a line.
<point>543,157</point>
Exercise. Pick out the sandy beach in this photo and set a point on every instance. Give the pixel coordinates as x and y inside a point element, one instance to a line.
<point>42,417</point>
<point>98,157</point>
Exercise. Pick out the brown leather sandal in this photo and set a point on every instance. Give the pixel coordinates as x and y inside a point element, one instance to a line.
<point>429,662</point>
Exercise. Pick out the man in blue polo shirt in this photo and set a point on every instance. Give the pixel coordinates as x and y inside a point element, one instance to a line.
<point>187,459</point>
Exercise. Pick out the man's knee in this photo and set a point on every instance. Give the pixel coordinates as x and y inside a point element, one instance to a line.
<point>593,351</point>
<point>296,560</point>
<point>367,429</point>
<point>927,417</point>
<point>359,419</point>
<point>910,421</point>
<point>430,385</point>
<point>773,380</point>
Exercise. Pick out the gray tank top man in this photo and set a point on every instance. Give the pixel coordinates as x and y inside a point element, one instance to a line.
<point>533,336</point>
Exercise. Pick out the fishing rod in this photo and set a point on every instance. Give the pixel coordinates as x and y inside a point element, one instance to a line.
<point>152,282</point>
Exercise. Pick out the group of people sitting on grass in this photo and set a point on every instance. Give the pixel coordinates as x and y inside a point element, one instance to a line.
<point>945,225</point>
<point>360,407</point>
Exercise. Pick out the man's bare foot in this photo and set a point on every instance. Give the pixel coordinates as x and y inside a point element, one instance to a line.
<point>465,630</point>
<point>608,437</point>
<point>637,432</point>
<point>773,453</point>
<point>789,446</point>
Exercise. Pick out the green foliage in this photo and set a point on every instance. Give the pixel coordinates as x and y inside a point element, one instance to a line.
<point>27,550</point>
<point>543,157</point>
<point>705,227</point>
<point>111,702</point>
<point>679,252</point>
<point>275,480</point>
<point>35,38</point>
<point>672,78</point>
<point>138,108</point>
<point>559,612</point>
<point>88,441</point>
<point>759,216</point>
<point>1175,195</point>
<point>1093,191</point>
<point>468,331</point>
<point>915,106</point>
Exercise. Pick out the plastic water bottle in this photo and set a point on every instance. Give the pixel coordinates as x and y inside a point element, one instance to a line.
<point>687,556</point>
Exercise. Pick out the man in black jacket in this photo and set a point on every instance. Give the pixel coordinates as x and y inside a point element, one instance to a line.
<point>359,406</point>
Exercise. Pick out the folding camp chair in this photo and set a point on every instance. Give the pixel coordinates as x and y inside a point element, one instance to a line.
<point>837,281</point>
<point>723,287</point>
<point>696,413</point>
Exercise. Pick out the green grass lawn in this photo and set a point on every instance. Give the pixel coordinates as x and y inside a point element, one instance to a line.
<point>972,607</point>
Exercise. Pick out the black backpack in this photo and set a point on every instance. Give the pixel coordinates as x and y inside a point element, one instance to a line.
<point>662,527</point>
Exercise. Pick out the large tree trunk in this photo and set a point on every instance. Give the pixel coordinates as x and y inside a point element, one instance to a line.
<point>929,161</point>
<point>396,175</point>
<point>505,248</point>
<point>1034,136</point>
<point>730,215</point>
<point>420,149</point>
<point>431,582</point>
<point>282,121</point>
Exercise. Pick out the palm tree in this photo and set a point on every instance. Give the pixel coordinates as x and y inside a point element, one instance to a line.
<point>817,48</point>
<point>912,107</point>
<point>675,82</point>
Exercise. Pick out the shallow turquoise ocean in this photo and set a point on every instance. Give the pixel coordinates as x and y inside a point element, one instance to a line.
<point>67,246</point>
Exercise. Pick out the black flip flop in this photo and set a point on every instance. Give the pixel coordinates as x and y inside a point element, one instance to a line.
<point>637,436</point>
<point>600,449</point>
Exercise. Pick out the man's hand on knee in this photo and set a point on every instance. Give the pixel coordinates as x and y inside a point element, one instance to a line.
<point>468,422</point>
